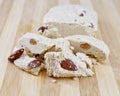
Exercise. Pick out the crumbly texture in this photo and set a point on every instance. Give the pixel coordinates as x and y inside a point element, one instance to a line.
<point>53,60</point>
<point>84,58</point>
<point>37,45</point>
<point>72,20</point>
<point>65,45</point>
<point>33,45</point>
<point>90,46</point>
<point>62,44</point>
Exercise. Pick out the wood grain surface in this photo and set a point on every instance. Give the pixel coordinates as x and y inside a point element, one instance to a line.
<point>20,16</point>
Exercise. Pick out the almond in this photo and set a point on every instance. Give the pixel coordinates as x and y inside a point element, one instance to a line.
<point>29,53</point>
<point>33,42</point>
<point>15,55</point>
<point>35,63</point>
<point>43,28</point>
<point>85,46</point>
<point>68,65</point>
<point>81,14</point>
<point>41,58</point>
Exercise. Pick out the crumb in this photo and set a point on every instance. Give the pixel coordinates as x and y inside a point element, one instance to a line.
<point>54,81</point>
<point>75,78</point>
<point>94,61</point>
<point>72,48</point>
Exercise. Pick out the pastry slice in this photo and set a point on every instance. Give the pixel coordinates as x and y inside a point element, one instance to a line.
<point>35,44</point>
<point>72,20</point>
<point>33,65</point>
<point>89,45</point>
<point>65,64</point>
<point>29,53</point>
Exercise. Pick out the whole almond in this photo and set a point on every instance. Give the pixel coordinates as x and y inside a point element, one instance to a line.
<point>68,65</point>
<point>85,46</point>
<point>33,42</point>
<point>43,28</point>
<point>35,63</point>
<point>15,55</point>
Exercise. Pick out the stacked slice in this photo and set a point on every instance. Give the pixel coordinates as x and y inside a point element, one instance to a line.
<point>58,56</point>
<point>65,46</point>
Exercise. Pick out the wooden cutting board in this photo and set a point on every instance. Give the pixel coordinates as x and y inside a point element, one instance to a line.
<point>20,16</point>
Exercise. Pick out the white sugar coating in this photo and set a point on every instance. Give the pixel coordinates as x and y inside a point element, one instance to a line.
<point>53,60</point>
<point>69,21</point>
<point>97,47</point>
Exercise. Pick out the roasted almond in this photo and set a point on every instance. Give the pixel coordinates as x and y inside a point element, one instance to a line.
<point>15,55</point>
<point>41,58</point>
<point>33,42</point>
<point>68,65</point>
<point>36,55</point>
<point>85,46</point>
<point>43,28</point>
<point>81,14</point>
<point>35,63</point>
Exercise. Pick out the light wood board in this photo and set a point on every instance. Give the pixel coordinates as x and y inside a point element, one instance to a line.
<point>20,16</point>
